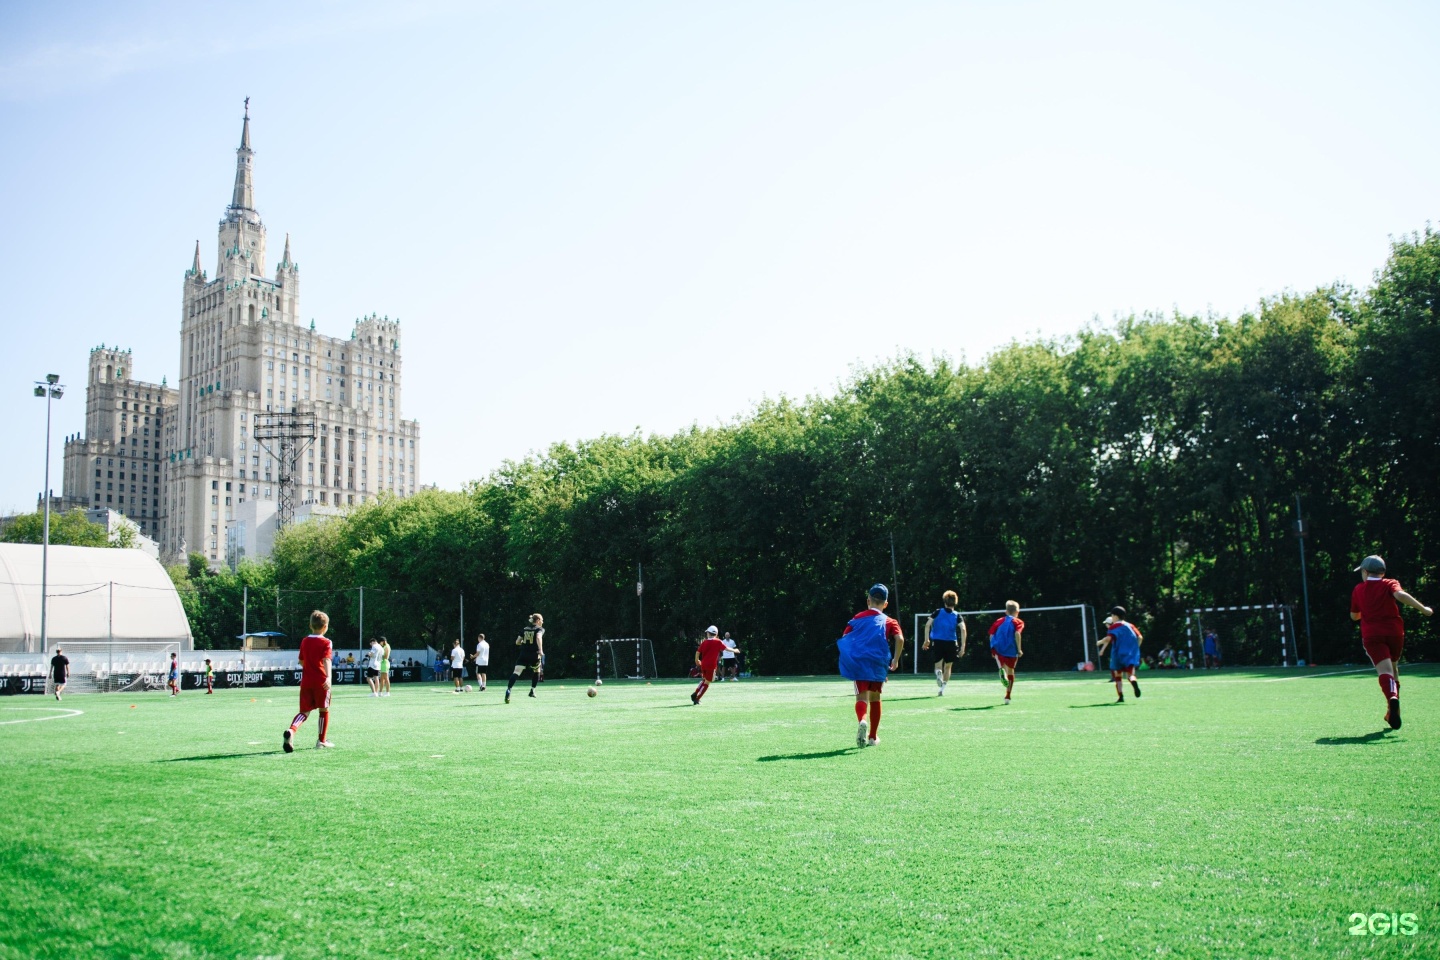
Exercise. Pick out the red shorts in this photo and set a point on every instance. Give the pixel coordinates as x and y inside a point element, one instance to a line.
<point>1006,662</point>
<point>314,698</point>
<point>1384,648</point>
<point>707,673</point>
<point>868,686</point>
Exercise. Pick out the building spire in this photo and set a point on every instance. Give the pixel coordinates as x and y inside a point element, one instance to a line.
<point>244,196</point>
<point>286,259</point>
<point>195,270</point>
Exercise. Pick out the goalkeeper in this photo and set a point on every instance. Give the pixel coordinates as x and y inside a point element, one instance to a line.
<point>529,654</point>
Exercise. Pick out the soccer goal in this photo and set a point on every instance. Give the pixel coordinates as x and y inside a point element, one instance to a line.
<point>631,658</point>
<point>120,666</point>
<point>1258,634</point>
<point>1052,629</point>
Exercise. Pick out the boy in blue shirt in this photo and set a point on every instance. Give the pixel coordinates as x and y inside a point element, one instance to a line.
<point>1006,645</point>
<point>1124,640</point>
<point>945,630</point>
<point>867,657</point>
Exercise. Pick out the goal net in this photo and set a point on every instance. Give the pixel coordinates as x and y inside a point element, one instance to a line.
<point>1254,635</point>
<point>630,658</point>
<point>1055,638</point>
<point>121,666</point>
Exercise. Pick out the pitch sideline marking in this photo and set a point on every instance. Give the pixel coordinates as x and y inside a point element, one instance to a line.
<point>66,712</point>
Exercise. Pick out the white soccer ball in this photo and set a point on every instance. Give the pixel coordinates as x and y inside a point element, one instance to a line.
<point>467,688</point>
<point>598,682</point>
<point>591,692</point>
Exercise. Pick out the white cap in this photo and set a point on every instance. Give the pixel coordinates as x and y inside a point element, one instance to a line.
<point>712,629</point>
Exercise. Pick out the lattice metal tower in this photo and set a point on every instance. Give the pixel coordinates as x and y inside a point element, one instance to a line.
<point>285,436</point>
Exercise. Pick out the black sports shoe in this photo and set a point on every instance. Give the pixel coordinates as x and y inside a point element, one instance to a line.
<point>1136,687</point>
<point>285,740</point>
<point>695,700</point>
<point>1392,716</point>
<point>507,696</point>
<point>532,693</point>
<point>1120,699</point>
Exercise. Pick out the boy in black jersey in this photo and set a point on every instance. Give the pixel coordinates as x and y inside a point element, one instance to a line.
<point>529,654</point>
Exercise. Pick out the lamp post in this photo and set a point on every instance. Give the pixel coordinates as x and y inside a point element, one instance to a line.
<point>51,389</point>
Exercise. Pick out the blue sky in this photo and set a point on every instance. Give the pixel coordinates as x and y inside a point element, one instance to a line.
<point>598,218</point>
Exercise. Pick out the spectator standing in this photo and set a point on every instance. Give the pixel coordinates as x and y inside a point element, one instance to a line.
<point>482,661</point>
<point>384,667</point>
<point>59,671</point>
<point>729,663</point>
<point>457,665</point>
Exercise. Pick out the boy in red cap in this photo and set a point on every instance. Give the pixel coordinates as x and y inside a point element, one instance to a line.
<point>1372,602</point>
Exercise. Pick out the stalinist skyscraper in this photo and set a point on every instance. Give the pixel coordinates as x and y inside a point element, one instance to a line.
<point>244,350</point>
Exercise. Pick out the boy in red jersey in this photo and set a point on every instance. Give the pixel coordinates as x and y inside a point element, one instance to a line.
<point>869,650</point>
<point>1006,646</point>
<point>707,658</point>
<point>1372,602</point>
<point>315,654</point>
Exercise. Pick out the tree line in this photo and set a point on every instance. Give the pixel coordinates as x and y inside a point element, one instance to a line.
<point>1154,462</point>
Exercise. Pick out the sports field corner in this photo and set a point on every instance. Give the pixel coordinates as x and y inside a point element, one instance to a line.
<point>1250,813</point>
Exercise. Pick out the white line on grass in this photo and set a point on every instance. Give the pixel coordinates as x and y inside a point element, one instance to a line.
<point>61,715</point>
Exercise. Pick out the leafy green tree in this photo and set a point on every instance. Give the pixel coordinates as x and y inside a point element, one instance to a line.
<point>72,528</point>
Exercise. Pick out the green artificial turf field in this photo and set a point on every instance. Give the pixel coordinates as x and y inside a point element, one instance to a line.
<point>1245,814</point>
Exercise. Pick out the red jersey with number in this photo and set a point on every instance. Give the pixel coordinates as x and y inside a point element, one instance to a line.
<point>314,650</point>
<point>1374,600</point>
<point>710,650</point>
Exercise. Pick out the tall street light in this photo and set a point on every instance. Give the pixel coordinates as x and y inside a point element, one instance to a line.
<point>51,389</point>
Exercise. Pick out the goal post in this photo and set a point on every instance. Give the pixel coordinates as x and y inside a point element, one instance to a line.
<point>1246,628</point>
<point>101,666</point>
<point>1084,620</point>
<point>630,658</point>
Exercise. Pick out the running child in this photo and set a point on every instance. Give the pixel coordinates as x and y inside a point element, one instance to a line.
<point>1124,641</point>
<point>529,654</point>
<point>869,649</point>
<point>315,653</point>
<point>209,677</point>
<point>707,659</point>
<point>945,629</point>
<point>172,678</point>
<point>1007,645</point>
<point>1382,632</point>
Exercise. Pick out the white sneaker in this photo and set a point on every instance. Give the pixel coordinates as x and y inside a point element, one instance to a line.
<point>323,745</point>
<point>941,691</point>
<point>872,742</point>
<point>1005,702</point>
<point>862,733</point>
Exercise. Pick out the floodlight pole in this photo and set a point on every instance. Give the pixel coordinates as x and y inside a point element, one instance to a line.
<point>51,389</point>
<point>1300,534</point>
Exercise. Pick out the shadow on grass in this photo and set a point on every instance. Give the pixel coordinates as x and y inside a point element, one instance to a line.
<point>220,756</point>
<point>808,756</point>
<point>988,706</point>
<point>1377,737</point>
<point>1086,706</point>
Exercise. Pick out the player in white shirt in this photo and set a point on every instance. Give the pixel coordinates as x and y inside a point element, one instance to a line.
<point>372,667</point>
<point>729,664</point>
<point>457,665</point>
<point>481,660</point>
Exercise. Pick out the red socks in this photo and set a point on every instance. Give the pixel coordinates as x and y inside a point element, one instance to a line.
<point>324,725</point>
<point>700,690</point>
<point>860,710</point>
<point>1389,686</point>
<point>299,719</point>
<point>874,718</point>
